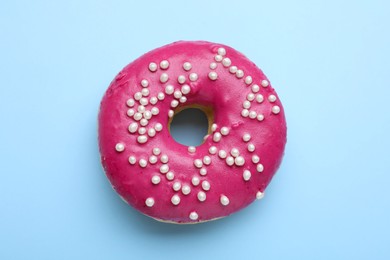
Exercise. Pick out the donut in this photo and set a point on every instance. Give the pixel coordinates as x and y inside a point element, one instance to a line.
<point>175,183</point>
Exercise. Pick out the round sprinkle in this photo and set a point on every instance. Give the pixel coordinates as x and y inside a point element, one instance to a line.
<point>205,185</point>
<point>170,113</point>
<point>132,160</point>
<point>251,148</point>
<point>152,67</point>
<point>224,130</point>
<point>183,100</point>
<point>271,98</point>
<point>246,104</point>
<point>170,176</point>
<point>198,163</point>
<point>213,150</point>
<point>158,127</point>
<point>177,94</point>
<point>181,79</point>
<point>156,179</point>
<point>164,64</point>
<point>151,132</point>
<point>207,160</point>
<point>201,196</point>
<point>169,89</point>
<point>248,80</point>
<point>143,163</point>
<point>233,69</point>
<point>221,51</point>
<point>175,200</point>
<point>193,76</point>
<point>164,78</point>
<point>174,103</point>
<point>255,88</point>
<point>224,200</point>
<point>187,66</point>
<point>203,171</point>
<point>260,167</point>
<point>133,127</point>
<point>259,195</point>
<point>264,83</point>
<point>137,95</point>
<point>164,168</point>
<point>213,75</point>
<point>191,149</point>
<point>176,186</point>
<point>164,158</point>
<point>230,160</point>
<point>218,58</point>
<point>246,137</point>
<point>130,102</point>
<point>144,122</point>
<point>145,92</point>
<point>213,65</point>
<point>195,181</point>
<point>130,112</point>
<point>214,127</point>
<point>217,137</point>
<point>153,100</point>
<point>194,215</point>
<point>185,89</point>
<point>239,161</point>
<point>149,202</point>
<point>246,175</point>
<point>250,97</point>
<point>252,114</point>
<point>255,159</point>
<point>142,139</point>
<point>186,189</point>
<point>155,111</point>
<point>260,117</point>
<point>226,62</point>
<point>275,109</point>
<point>234,152</point>
<point>141,109</point>
<point>147,114</point>
<point>160,96</point>
<point>119,147</point>
<point>245,113</point>
<point>239,74</point>
<point>142,130</point>
<point>144,83</point>
<point>222,154</point>
<point>259,98</point>
<point>156,151</point>
<point>153,159</point>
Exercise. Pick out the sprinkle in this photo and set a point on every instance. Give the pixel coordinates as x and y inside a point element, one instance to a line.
<point>203,171</point>
<point>164,168</point>
<point>183,99</point>
<point>144,122</point>
<point>201,196</point>
<point>217,137</point>
<point>130,102</point>
<point>259,195</point>
<point>170,113</point>
<point>151,132</point>
<point>260,167</point>
<point>255,159</point>
<point>271,98</point>
<point>195,181</point>
<point>214,127</point>
<point>275,109</point>
<point>221,51</point>
<point>185,89</point>
<point>205,185</point>
<point>248,80</point>
<point>141,109</point>
<point>193,76</point>
<point>119,147</point>
<point>207,160</point>
<point>142,139</point>
<point>145,92</point>
<point>264,83</point>
<point>143,163</point>
<point>132,160</point>
<point>213,75</point>
<point>160,96</point>
<point>198,163</point>
<point>213,150</point>
<point>155,111</point>
<point>156,179</point>
<point>218,58</point>
<point>234,152</point>
<point>169,89</point>
<point>153,159</point>
<point>186,189</point>
<point>133,127</point>
<point>251,147</point>
<point>222,154</point>
<point>255,88</point>
<point>144,83</point>
<point>239,161</point>
<point>170,176</point>
<point>137,95</point>
<point>164,78</point>
<point>213,65</point>
<point>259,98</point>
<point>194,215</point>
<point>181,79</point>
<point>175,200</point>
<point>156,151</point>
<point>176,186</point>
<point>246,137</point>
<point>187,66</point>
<point>164,158</point>
<point>174,103</point>
<point>260,117</point>
<point>246,104</point>
<point>177,94</point>
<point>233,69</point>
<point>149,202</point>
<point>191,149</point>
<point>252,114</point>
<point>153,100</point>
<point>239,74</point>
<point>130,112</point>
<point>250,96</point>
<point>147,114</point>
<point>164,64</point>
<point>226,62</point>
<point>224,130</point>
<point>246,175</point>
<point>152,67</point>
<point>142,130</point>
<point>230,160</point>
<point>158,127</point>
<point>245,113</point>
<point>224,200</point>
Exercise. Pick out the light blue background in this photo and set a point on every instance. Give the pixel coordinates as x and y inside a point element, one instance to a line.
<point>328,60</point>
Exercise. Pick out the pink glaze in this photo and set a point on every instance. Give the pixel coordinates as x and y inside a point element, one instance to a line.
<point>225,95</point>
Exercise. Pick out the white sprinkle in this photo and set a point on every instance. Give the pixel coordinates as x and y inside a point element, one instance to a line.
<point>144,122</point>
<point>130,102</point>
<point>155,111</point>
<point>248,80</point>
<point>151,132</point>
<point>153,100</point>
<point>144,83</point>
<point>205,185</point>
<point>214,127</point>
<point>132,160</point>
<point>255,88</point>
<point>275,109</point>
<point>246,175</point>
<point>264,83</point>
<point>233,69</point>
<point>175,200</point>
<point>224,200</point>
<point>176,186</point>
<point>198,163</point>
<point>213,75</point>
<point>259,195</point>
<point>142,130</point>
<point>271,98</point>
<point>252,114</point>
<point>195,181</point>
<point>213,150</point>
<point>177,94</point>
<point>137,95</point>
<point>217,137</point>
<point>152,67</point>
<point>174,103</point>
<point>260,117</point>
<point>203,171</point>
<point>164,64</point>
<point>250,96</point>
<point>164,158</point>
<point>246,137</point>
<point>239,74</point>
<point>245,113</point>
<point>164,168</point>
<point>194,215</point>
<point>156,151</point>
<point>141,109</point>
<point>171,113</point>
<point>260,167</point>
<point>119,147</point>
<point>158,127</point>
<point>169,89</point>
<point>164,78</point>
<point>191,149</point>
<point>160,96</point>
<point>255,159</point>
<point>251,148</point>
<point>230,160</point>
<point>170,176</point>
<point>193,76</point>
<point>181,79</point>
<point>187,66</point>
<point>201,196</point>
<point>207,160</point>
<point>186,189</point>
<point>156,179</point>
<point>222,154</point>
<point>133,127</point>
<point>143,163</point>
<point>224,130</point>
<point>149,202</point>
<point>153,159</point>
<point>221,51</point>
<point>239,161</point>
<point>183,99</point>
<point>234,152</point>
<point>147,114</point>
<point>185,89</point>
<point>142,139</point>
<point>213,65</point>
<point>145,92</point>
<point>226,62</point>
<point>259,98</point>
<point>218,58</point>
<point>246,104</point>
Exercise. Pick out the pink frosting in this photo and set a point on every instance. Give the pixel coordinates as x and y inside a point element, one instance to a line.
<point>226,96</point>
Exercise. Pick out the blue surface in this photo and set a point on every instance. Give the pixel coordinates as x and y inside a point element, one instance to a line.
<point>328,60</point>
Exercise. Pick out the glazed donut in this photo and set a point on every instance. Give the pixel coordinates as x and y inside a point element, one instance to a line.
<point>175,183</point>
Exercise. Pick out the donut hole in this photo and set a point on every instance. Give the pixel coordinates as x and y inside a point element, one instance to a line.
<point>190,125</point>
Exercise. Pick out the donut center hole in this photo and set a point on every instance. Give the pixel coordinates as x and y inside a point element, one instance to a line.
<point>190,125</point>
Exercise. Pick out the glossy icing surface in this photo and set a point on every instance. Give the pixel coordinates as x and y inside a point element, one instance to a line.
<point>173,182</point>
